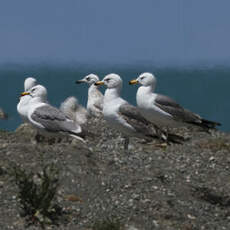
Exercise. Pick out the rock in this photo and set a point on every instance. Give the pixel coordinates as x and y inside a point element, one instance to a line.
<point>26,129</point>
<point>3,115</point>
<point>131,227</point>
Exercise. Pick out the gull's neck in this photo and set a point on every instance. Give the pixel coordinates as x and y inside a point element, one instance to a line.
<point>25,99</point>
<point>92,89</point>
<point>147,89</point>
<point>144,93</point>
<point>111,94</point>
<point>38,100</point>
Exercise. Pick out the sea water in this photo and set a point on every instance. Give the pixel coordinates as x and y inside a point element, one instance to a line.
<point>202,90</point>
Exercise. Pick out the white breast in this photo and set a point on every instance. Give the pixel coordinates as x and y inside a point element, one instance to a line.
<point>145,101</point>
<point>112,116</point>
<point>22,107</point>
<point>95,101</point>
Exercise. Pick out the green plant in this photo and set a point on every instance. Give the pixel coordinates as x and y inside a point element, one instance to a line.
<point>37,194</point>
<point>107,224</point>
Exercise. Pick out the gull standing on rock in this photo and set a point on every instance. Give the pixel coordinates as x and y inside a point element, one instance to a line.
<point>23,101</point>
<point>163,111</point>
<point>95,97</point>
<point>120,114</point>
<point>76,112</point>
<point>47,118</point>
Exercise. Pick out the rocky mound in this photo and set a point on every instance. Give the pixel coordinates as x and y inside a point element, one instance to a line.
<point>147,187</point>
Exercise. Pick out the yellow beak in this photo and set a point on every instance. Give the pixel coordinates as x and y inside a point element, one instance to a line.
<point>132,82</point>
<point>25,93</point>
<point>99,83</point>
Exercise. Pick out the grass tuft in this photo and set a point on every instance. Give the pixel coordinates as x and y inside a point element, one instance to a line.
<point>37,194</point>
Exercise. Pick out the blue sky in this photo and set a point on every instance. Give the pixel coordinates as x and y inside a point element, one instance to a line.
<point>163,32</point>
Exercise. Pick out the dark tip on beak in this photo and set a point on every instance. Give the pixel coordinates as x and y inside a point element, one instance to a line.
<point>79,81</point>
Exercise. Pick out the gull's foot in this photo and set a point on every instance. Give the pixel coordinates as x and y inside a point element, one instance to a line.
<point>39,138</point>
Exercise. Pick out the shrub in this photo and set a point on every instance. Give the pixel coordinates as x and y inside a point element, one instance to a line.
<point>37,194</point>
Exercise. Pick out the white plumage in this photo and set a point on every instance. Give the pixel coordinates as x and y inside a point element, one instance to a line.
<point>47,118</point>
<point>23,101</point>
<point>162,110</point>
<point>95,97</point>
<point>120,114</point>
<point>74,110</point>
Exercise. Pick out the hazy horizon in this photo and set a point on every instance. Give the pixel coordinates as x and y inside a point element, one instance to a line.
<point>103,65</point>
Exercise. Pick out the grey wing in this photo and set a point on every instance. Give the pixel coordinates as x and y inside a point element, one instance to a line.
<point>166,101</point>
<point>178,112</point>
<point>52,119</point>
<point>132,116</point>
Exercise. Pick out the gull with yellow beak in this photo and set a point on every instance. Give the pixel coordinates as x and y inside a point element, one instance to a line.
<point>22,104</point>
<point>47,118</point>
<point>163,111</point>
<point>121,115</point>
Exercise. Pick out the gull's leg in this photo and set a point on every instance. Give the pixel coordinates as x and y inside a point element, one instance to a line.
<point>161,134</point>
<point>173,138</point>
<point>126,143</point>
<point>39,138</point>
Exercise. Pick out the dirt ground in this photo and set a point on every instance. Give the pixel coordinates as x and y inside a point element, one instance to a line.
<point>176,187</point>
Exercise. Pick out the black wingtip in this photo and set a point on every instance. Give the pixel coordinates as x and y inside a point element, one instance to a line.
<point>210,124</point>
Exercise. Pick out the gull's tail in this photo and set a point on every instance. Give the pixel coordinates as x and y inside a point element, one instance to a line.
<point>209,124</point>
<point>78,133</point>
<point>206,124</point>
<point>80,136</point>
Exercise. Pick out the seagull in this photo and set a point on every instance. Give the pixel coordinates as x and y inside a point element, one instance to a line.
<point>121,115</point>
<point>76,112</point>
<point>163,111</point>
<point>29,83</point>
<point>95,97</point>
<point>21,106</point>
<point>47,118</point>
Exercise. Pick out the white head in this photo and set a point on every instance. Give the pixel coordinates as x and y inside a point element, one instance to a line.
<point>29,83</point>
<point>89,79</point>
<point>111,81</point>
<point>145,79</point>
<point>37,92</point>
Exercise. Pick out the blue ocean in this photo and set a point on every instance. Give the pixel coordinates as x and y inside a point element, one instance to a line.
<point>202,90</point>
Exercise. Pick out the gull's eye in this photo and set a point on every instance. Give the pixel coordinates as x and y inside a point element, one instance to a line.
<point>88,79</point>
<point>142,78</point>
<point>33,90</point>
<point>108,79</point>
